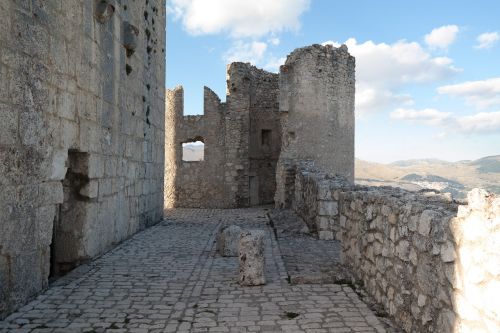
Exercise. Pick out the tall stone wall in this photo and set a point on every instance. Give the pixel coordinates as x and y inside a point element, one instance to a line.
<point>316,99</point>
<point>195,183</point>
<point>238,169</point>
<point>81,134</point>
<point>432,263</point>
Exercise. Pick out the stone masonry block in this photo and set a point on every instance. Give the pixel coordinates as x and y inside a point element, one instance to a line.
<point>228,240</point>
<point>8,125</point>
<point>51,193</point>
<point>251,257</point>
<point>329,208</point>
<point>58,166</point>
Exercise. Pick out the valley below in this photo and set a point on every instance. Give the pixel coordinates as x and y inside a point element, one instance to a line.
<point>456,178</point>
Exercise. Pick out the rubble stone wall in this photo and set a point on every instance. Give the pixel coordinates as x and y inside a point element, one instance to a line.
<point>238,170</point>
<point>81,134</point>
<point>431,262</point>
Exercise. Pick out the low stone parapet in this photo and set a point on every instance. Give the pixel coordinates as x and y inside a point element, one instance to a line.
<point>432,262</point>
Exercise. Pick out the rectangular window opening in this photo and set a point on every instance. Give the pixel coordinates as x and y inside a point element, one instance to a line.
<point>266,137</point>
<point>193,151</point>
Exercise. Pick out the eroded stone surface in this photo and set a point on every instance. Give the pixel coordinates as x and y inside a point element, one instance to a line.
<point>251,257</point>
<point>228,241</point>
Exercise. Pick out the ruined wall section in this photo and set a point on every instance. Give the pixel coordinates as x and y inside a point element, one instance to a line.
<point>195,184</point>
<point>432,263</point>
<point>265,136</point>
<point>316,97</point>
<point>235,162</point>
<point>81,134</point>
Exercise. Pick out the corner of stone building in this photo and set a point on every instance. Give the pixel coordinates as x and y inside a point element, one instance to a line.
<point>89,99</point>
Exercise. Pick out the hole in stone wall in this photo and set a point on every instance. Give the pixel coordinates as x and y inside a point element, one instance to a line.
<point>193,151</point>
<point>68,224</point>
<point>128,69</point>
<point>265,137</point>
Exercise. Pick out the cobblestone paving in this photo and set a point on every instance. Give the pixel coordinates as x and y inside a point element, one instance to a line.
<point>318,263</point>
<point>169,279</point>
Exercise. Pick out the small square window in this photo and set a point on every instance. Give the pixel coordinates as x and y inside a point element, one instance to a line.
<point>193,151</point>
<point>265,139</point>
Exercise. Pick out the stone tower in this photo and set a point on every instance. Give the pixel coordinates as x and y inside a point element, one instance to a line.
<point>316,101</point>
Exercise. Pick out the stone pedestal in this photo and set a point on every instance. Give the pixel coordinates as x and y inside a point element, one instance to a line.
<point>227,241</point>
<point>251,255</point>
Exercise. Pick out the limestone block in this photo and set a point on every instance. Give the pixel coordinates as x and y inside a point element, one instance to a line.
<point>58,166</point>
<point>424,223</point>
<point>45,219</point>
<point>8,125</point>
<point>448,252</point>
<point>477,199</point>
<point>228,240</point>
<point>328,208</point>
<point>325,235</point>
<point>51,193</point>
<point>251,257</point>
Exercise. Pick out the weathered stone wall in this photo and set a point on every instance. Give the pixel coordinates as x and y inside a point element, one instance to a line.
<point>198,183</point>
<point>433,264</point>
<point>316,98</point>
<point>81,134</point>
<point>237,170</point>
<point>265,137</point>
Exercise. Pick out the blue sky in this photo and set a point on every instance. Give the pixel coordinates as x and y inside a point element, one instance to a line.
<point>428,72</point>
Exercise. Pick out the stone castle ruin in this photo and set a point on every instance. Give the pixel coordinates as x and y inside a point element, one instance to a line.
<point>89,156</point>
<point>314,93</point>
<point>242,140</point>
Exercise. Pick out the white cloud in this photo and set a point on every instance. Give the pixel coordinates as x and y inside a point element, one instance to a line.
<point>426,116</point>
<point>370,99</point>
<point>274,41</point>
<point>273,64</point>
<point>442,37</point>
<point>383,69</point>
<point>482,94</point>
<point>484,122</point>
<point>239,18</point>
<point>252,52</point>
<point>487,40</point>
<point>480,123</point>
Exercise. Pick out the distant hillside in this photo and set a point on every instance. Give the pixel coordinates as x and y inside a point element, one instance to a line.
<point>428,161</point>
<point>490,164</point>
<point>456,178</point>
<point>193,152</point>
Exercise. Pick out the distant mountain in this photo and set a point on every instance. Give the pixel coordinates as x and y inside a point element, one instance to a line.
<point>456,178</point>
<point>193,152</point>
<point>427,161</point>
<point>490,164</point>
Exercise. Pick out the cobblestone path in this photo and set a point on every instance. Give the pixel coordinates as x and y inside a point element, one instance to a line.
<point>168,278</point>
